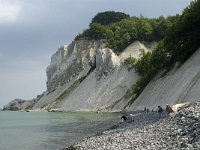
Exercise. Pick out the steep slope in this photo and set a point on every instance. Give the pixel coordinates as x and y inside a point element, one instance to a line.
<point>68,67</point>
<point>103,87</point>
<point>181,84</point>
<point>136,48</point>
<point>70,60</point>
<point>87,76</point>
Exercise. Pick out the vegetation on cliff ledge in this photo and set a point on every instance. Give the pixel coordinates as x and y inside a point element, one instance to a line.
<point>181,41</point>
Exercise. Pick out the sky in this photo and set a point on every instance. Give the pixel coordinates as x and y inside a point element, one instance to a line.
<point>32,30</point>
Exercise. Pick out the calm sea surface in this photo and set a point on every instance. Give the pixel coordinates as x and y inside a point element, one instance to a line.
<point>49,131</point>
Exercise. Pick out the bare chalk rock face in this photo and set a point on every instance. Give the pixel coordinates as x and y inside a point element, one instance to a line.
<point>106,62</point>
<point>87,76</point>
<point>70,60</point>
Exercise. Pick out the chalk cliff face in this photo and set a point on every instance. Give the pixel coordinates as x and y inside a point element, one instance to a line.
<point>87,76</point>
<point>180,84</point>
<point>106,62</point>
<point>70,60</point>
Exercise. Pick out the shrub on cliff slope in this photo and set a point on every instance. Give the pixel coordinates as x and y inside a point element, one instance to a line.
<point>181,41</point>
<point>149,65</point>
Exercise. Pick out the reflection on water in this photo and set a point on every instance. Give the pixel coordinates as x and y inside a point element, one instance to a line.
<point>42,131</point>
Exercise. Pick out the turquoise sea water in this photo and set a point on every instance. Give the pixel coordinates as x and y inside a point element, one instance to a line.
<point>49,131</point>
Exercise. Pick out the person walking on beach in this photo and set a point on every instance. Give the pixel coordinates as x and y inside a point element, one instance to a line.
<point>123,118</point>
<point>145,109</point>
<point>160,110</point>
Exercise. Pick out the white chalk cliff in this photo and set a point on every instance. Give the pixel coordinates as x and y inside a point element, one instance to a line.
<point>180,84</point>
<point>86,75</point>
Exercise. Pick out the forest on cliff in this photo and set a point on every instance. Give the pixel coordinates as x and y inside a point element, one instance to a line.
<point>178,38</point>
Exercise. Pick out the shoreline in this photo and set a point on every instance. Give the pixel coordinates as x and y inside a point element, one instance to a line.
<point>73,111</point>
<point>180,130</point>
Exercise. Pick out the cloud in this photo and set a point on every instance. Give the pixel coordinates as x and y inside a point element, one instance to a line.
<point>9,10</point>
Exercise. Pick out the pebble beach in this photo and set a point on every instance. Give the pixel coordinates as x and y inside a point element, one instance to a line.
<point>180,130</point>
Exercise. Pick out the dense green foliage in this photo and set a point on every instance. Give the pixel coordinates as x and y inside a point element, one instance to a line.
<point>109,17</point>
<point>127,31</point>
<point>119,34</point>
<point>181,41</point>
<point>149,65</point>
<point>183,38</point>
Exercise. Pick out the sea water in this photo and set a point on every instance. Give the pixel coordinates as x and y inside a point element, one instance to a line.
<point>50,130</point>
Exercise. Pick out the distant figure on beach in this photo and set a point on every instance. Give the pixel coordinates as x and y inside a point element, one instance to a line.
<point>124,118</point>
<point>145,109</point>
<point>160,110</point>
<point>128,118</point>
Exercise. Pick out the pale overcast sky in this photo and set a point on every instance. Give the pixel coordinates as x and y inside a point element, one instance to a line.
<point>31,31</point>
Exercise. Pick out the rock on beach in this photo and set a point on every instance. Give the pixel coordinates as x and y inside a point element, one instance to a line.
<point>180,130</point>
